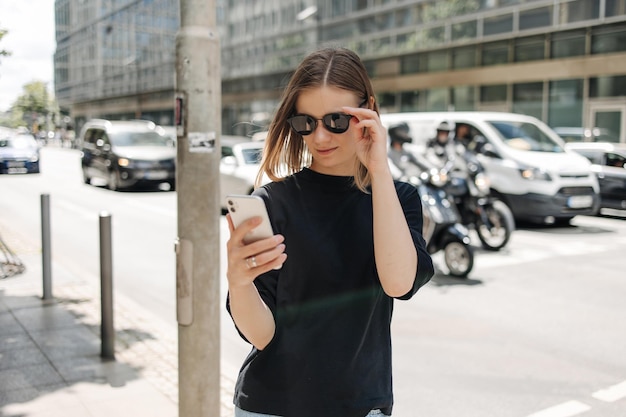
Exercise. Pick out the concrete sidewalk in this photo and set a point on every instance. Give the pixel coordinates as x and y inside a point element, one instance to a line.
<point>50,362</point>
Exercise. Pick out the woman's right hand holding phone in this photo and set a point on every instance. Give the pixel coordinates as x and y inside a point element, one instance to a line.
<point>248,261</point>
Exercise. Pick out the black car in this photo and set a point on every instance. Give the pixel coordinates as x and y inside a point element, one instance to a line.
<point>609,164</point>
<point>127,153</point>
<point>19,154</point>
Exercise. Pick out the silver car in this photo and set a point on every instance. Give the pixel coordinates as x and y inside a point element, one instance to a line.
<point>609,164</point>
<point>239,166</point>
<point>127,153</point>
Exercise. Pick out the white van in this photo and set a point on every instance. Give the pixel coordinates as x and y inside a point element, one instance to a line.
<point>528,165</point>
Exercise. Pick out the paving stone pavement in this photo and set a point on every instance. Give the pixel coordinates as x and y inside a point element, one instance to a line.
<point>146,345</point>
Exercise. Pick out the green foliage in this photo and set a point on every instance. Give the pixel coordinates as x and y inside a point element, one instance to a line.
<point>3,52</point>
<point>34,109</point>
<point>444,9</point>
<point>34,98</point>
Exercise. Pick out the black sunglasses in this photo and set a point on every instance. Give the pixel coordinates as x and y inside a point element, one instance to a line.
<point>304,124</point>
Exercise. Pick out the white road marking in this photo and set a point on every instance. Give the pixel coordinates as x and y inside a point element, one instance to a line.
<point>612,393</point>
<point>568,409</point>
<point>536,253</point>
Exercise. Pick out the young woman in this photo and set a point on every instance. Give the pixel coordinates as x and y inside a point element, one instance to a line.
<point>316,300</point>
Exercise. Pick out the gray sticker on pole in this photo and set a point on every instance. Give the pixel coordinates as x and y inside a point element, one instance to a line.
<point>201,141</point>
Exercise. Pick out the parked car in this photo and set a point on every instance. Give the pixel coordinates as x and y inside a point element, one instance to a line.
<point>609,164</point>
<point>579,134</point>
<point>527,163</point>
<point>127,153</point>
<point>239,165</point>
<point>19,153</point>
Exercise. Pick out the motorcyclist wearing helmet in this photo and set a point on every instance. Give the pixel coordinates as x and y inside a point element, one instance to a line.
<point>404,160</point>
<point>440,149</point>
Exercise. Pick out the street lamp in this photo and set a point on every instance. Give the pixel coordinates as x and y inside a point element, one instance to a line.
<point>307,13</point>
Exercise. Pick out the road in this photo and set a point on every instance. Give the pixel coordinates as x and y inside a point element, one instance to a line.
<point>536,331</point>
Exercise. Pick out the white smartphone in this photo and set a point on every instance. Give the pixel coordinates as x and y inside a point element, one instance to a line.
<point>243,207</point>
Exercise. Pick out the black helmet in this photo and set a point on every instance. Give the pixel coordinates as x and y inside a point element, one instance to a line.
<point>399,133</point>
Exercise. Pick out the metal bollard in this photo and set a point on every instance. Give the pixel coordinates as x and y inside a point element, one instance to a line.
<point>46,247</point>
<point>107,330</point>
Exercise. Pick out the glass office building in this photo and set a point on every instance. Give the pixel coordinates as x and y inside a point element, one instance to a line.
<point>563,61</point>
<point>116,58</point>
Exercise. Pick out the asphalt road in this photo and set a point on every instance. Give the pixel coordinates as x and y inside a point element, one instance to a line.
<point>538,329</point>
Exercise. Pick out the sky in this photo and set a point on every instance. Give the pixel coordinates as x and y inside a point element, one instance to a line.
<point>30,39</point>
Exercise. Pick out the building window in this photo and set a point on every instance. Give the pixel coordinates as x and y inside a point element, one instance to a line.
<point>600,87</point>
<point>435,61</point>
<point>615,8</point>
<point>464,58</point>
<point>528,99</point>
<point>529,49</point>
<point>495,53</point>
<point>409,100</point>
<point>338,8</point>
<point>381,45</point>
<point>436,99</point>
<point>464,30</point>
<point>367,25</point>
<point>498,24</point>
<point>359,4</point>
<point>370,67</point>
<point>568,44</point>
<point>338,31</point>
<point>579,10</point>
<point>406,41</point>
<point>609,39</point>
<point>384,21</point>
<point>387,101</point>
<point>432,36</point>
<point>409,64</point>
<point>493,93</point>
<point>535,18</point>
<point>565,107</point>
<point>406,16</point>
<point>462,98</point>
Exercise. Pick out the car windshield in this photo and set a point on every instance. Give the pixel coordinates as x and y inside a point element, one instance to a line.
<point>18,142</point>
<point>148,138</point>
<point>525,137</point>
<point>252,155</point>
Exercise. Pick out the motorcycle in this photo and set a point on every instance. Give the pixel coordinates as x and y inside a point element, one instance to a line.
<point>442,229</point>
<point>479,209</point>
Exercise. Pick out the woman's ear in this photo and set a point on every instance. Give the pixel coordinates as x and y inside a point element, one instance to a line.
<point>372,103</point>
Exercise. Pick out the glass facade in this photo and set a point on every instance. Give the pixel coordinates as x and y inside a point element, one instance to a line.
<point>447,54</point>
<point>566,103</point>
<point>116,50</point>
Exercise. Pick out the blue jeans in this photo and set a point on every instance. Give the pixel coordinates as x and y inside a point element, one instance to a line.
<point>242,413</point>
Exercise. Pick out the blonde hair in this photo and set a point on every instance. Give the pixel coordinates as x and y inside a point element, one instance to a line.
<point>285,152</point>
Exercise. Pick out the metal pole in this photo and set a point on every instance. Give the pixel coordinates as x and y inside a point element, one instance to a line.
<point>198,116</point>
<point>46,247</point>
<point>107,330</point>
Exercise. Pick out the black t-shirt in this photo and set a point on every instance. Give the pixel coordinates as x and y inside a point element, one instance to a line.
<point>331,352</point>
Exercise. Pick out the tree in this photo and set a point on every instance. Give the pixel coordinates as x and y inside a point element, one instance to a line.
<point>3,52</point>
<point>34,107</point>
